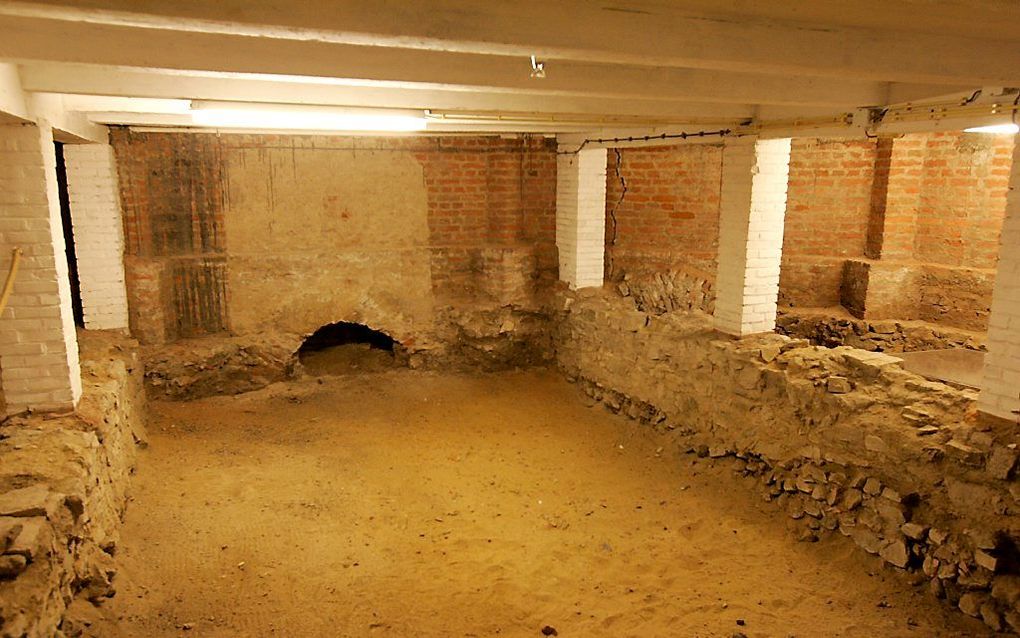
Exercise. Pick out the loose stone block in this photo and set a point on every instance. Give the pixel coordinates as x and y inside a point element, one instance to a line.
<point>873,487</point>
<point>852,499</point>
<point>35,500</point>
<point>914,531</point>
<point>986,560</point>
<point>896,553</point>
<point>1001,462</point>
<point>10,527</point>
<point>964,453</point>
<point>838,385</point>
<point>991,616</point>
<point>30,539</point>
<point>970,604</point>
<point>874,443</point>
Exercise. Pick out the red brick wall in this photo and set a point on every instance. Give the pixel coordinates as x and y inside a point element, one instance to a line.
<point>669,216</point>
<point>923,201</point>
<point>828,202</point>
<point>491,192</point>
<point>963,199</point>
<point>491,219</point>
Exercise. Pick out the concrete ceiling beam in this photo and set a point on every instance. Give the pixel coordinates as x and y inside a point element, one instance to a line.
<point>948,42</point>
<point>150,83</point>
<point>33,39</point>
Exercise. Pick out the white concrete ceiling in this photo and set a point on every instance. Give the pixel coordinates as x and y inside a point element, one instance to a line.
<point>642,64</point>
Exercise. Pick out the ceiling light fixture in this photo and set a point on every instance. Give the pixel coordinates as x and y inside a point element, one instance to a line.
<point>296,117</point>
<point>537,68</point>
<point>994,128</point>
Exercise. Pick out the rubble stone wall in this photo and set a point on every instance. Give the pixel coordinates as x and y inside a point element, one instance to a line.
<point>842,440</point>
<point>63,490</point>
<point>878,335</point>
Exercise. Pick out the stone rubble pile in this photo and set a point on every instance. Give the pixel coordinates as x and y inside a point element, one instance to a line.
<point>843,440</point>
<point>63,483</point>
<point>885,335</point>
<point>208,366</point>
<point>666,291</point>
<point>483,338</point>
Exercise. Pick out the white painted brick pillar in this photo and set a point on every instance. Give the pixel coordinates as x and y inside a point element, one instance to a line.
<point>98,233</point>
<point>581,217</point>
<point>1000,388</point>
<point>38,345</point>
<point>752,209</point>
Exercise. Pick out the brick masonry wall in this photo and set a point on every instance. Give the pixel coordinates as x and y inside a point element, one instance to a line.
<point>668,218</point>
<point>827,212</point>
<point>931,203</point>
<point>1000,394</point>
<point>38,347</point>
<point>962,199</point>
<point>387,229</point>
<point>98,234</point>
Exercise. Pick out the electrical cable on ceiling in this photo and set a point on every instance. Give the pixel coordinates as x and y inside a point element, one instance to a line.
<point>647,138</point>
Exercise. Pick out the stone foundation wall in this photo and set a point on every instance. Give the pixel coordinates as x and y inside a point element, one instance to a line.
<point>63,482</point>
<point>843,440</point>
<point>499,338</point>
<point>879,335</point>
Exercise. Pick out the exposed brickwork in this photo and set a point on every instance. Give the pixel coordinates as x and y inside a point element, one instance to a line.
<point>826,217</point>
<point>926,204</point>
<point>98,234</point>
<point>668,218</point>
<point>490,208</point>
<point>38,345</point>
<point>172,195</point>
<point>963,199</point>
<point>486,191</point>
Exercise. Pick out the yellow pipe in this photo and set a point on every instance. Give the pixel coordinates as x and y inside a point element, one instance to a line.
<point>11,274</point>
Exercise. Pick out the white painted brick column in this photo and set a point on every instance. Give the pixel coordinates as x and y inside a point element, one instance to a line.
<point>581,217</point>
<point>752,210</point>
<point>38,345</point>
<point>98,233</point>
<point>1000,387</point>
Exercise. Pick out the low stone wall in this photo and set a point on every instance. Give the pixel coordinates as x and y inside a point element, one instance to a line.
<point>876,335</point>
<point>63,482</point>
<point>195,368</point>
<point>683,289</point>
<point>494,338</point>
<point>842,439</point>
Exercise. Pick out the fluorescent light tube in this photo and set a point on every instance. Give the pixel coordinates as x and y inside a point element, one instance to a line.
<point>994,128</point>
<point>313,120</point>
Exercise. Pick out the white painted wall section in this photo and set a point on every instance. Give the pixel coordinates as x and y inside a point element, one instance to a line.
<point>98,234</point>
<point>38,345</point>
<point>581,217</point>
<point>751,217</point>
<point>1000,388</point>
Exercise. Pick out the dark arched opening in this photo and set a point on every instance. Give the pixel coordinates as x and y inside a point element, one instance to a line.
<point>343,348</point>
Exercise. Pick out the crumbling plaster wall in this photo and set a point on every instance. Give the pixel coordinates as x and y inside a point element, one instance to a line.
<point>841,439</point>
<point>446,244</point>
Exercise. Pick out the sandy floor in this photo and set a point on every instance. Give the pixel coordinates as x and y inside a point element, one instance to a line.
<point>413,504</point>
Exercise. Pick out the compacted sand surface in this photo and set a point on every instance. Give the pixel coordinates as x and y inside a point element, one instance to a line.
<point>416,504</point>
